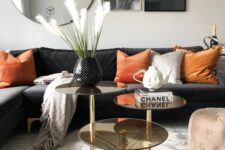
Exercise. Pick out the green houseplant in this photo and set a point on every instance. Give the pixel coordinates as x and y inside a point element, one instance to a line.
<point>87,71</point>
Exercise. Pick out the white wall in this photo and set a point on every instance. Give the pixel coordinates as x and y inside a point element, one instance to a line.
<point>127,29</point>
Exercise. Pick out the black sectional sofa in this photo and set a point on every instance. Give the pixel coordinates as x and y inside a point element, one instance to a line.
<point>21,102</point>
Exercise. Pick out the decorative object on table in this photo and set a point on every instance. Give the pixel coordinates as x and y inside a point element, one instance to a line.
<point>87,71</point>
<point>146,96</point>
<point>214,36</point>
<point>169,61</point>
<point>195,68</point>
<point>165,5</point>
<point>125,4</point>
<point>213,40</point>
<point>153,78</point>
<point>210,38</point>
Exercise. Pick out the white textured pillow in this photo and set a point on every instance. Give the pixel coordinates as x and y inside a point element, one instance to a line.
<point>169,61</point>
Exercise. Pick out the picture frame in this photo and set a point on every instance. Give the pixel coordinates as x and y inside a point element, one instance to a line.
<point>121,5</point>
<point>165,5</point>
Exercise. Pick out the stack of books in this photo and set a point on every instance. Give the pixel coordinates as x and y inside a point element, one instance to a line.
<point>145,96</point>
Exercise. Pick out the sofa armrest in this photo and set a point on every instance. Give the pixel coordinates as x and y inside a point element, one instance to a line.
<point>221,76</point>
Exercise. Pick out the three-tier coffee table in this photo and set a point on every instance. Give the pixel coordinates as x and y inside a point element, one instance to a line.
<point>120,133</point>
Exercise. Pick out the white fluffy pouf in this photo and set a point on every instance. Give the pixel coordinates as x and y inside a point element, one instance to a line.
<point>207,129</point>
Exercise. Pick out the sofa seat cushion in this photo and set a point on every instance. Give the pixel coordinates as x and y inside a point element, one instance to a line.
<point>191,91</point>
<point>11,99</point>
<point>33,98</point>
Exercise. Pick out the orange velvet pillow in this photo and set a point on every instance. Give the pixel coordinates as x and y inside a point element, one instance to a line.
<point>199,67</point>
<point>18,70</point>
<point>127,66</point>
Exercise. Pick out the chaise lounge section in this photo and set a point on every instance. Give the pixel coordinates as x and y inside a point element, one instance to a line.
<point>11,109</point>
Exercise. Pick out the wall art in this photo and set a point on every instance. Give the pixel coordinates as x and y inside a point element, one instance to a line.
<point>165,5</point>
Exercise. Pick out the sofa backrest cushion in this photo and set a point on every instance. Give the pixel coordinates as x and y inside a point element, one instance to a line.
<point>132,51</point>
<point>57,60</point>
<point>107,60</point>
<point>49,61</point>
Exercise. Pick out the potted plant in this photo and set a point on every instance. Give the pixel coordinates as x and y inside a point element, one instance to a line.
<point>87,71</point>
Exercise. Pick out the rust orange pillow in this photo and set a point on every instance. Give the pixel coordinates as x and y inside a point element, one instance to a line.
<point>199,67</point>
<point>18,70</point>
<point>127,66</point>
<point>126,99</point>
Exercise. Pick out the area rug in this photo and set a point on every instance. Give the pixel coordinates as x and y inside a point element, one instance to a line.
<point>177,140</point>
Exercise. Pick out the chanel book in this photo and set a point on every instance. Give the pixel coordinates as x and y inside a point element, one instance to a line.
<point>160,96</point>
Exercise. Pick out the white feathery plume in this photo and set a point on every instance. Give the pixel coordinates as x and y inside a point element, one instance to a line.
<point>106,7</point>
<point>83,20</point>
<point>47,25</point>
<point>76,36</point>
<point>100,13</point>
<point>55,26</point>
<point>74,13</point>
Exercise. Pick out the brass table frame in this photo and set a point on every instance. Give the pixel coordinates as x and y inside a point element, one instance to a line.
<point>122,135</point>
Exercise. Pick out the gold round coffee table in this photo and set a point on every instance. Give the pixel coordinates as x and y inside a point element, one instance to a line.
<point>120,133</point>
<point>103,88</point>
<point>123,134</point>
<point>129,101</point>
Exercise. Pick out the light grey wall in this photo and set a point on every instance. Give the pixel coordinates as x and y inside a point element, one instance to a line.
<point>127,29</point>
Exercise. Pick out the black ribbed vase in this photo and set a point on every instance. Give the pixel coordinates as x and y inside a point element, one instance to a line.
<point>87,71</point>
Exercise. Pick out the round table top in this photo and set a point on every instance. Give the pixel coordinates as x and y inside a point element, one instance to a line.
<point>103,87</point>
<point>123,134</point>
<point>129,101</point>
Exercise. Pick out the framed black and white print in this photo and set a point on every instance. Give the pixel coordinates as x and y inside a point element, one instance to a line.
<point>165,5</point>
<point>125,4</point>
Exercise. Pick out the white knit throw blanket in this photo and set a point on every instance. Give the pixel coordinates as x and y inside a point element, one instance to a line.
<point>57,112</point>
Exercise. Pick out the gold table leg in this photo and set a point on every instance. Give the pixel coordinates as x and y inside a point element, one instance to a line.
<point>122,139</point>
<point>148,125</point>
<point>92,120</point>
<point>92,108</point>
<point>149,116</point>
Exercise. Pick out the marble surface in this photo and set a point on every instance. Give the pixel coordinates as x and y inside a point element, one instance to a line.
<point>177,140</point>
